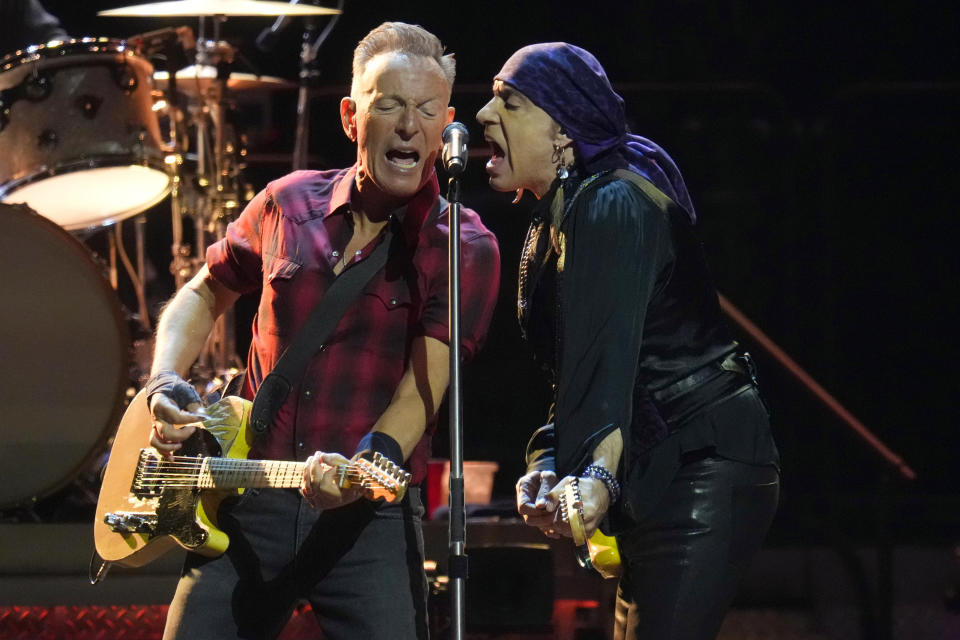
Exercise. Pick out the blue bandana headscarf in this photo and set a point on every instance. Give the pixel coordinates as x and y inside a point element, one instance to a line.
<point>570,85</point>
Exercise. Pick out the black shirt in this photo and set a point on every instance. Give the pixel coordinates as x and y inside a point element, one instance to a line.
<point>625,309</point>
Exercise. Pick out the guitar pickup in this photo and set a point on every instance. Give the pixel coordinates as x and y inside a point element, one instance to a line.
<point>123,522</point>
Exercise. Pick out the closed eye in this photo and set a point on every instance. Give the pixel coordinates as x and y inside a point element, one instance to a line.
<point>429,108</point>
<point>386,105</point>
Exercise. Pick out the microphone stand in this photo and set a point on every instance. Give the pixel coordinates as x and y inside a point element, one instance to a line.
<point>457,565</point>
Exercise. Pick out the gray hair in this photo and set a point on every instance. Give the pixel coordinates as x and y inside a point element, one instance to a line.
<point>405,38</point>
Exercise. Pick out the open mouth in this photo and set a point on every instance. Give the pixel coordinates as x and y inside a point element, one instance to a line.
<point>403,159</point>
<point>497,155</point>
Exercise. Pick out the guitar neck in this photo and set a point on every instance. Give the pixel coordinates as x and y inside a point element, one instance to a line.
<point>235,473</point>
<point>232,473</point>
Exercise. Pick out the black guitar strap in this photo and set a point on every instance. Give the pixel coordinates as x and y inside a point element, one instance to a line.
<point>321,322</point>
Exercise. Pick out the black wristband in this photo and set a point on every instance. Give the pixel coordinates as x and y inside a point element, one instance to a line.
<point>174,387</point>
<point>378,441</point>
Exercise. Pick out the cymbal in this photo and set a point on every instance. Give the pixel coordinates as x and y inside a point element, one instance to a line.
<point>195,79</point>
<point>187,8</point>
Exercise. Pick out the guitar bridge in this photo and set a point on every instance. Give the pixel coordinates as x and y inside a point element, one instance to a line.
<point>125,522</point>
<point>144,483</point>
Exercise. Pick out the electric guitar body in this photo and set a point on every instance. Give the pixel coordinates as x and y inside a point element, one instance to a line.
<point>149,504</point>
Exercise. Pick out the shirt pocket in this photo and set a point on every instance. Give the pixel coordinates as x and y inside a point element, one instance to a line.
<point>280,276</point>
<point>393,295</point>
<point>279,268</point>
<point>387,312</point>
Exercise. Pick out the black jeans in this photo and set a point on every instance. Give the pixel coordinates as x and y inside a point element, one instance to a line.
<point>683,562</point>
<point>359,566</point>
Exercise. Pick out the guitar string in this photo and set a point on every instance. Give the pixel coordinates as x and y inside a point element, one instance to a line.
<point>188,469</point>
<point>185,465</point>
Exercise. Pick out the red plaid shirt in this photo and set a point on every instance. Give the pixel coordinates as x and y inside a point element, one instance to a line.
<point>286,243</point>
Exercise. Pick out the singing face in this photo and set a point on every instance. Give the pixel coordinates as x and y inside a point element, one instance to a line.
<point>396,116</point>
<point>521,136</point>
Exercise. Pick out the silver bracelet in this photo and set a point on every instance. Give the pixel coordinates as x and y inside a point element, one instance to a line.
<point>597,472</point>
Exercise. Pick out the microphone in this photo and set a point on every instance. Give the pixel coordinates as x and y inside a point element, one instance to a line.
<point>455,139</point>
<point>270,36</point>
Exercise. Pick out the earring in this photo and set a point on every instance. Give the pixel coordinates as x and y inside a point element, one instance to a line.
<point>562,172</point>
<point>557,204</point>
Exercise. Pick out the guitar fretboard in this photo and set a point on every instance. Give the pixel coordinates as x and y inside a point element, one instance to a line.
<point>230,473</point>
<point>378,478</point>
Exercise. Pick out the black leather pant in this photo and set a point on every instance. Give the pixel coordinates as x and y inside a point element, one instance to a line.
<point>683,562</point>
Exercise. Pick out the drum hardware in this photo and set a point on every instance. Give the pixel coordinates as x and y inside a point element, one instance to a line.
<point>80,115</point>
<point>209,8</point>
<point>195,79</point>
<point>136,274</point>
<point>210,194</point>
<point>309,75</point>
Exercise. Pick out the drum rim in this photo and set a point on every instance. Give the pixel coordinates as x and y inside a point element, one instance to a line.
<point>48,50</point>
<point>99,161</point>
<point>123,368</point>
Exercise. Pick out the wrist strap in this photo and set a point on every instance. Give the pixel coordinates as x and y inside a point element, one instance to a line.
<point>378,441</point>
<point>170,384</point>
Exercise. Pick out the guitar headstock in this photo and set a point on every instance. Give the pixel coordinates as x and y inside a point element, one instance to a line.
<point>379,478</point>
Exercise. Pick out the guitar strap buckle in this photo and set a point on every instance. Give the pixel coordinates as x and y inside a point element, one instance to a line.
<point>270,397</point>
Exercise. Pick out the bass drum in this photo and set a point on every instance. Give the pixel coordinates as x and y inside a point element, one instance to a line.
<point>81,140</point>
<point>64,352</point>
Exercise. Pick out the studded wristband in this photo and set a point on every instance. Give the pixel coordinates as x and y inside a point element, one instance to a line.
<point>600,473</point>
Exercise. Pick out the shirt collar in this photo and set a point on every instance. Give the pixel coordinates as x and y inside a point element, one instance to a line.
<point>411,215</point>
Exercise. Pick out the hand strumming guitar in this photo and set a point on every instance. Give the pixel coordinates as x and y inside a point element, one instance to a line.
<point>538,492</point>
<point>596,502</point>
<point>174,403</point>
<point>536,503</point>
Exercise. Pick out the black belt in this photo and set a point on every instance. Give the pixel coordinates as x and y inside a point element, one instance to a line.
<point>671,397</point>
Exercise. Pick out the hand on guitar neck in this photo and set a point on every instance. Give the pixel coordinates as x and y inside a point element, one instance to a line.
<point>321,486</point>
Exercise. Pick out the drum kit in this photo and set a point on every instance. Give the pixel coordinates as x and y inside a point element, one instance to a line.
<point>92,137</point>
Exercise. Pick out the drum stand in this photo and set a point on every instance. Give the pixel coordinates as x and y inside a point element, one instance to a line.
<point>211,196</point>
<point>138,273</point>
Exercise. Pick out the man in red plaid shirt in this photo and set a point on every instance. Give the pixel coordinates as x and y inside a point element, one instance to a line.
<point>375,386</point>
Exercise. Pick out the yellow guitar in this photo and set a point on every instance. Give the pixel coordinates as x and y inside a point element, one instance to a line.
<point>149,504</point>
<point>600,551</point>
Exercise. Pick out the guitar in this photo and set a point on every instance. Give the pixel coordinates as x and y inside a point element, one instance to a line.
<point>600,551</point>
<point>149,504</point>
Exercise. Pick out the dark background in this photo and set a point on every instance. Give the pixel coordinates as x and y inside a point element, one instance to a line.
<point>819,141</point>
